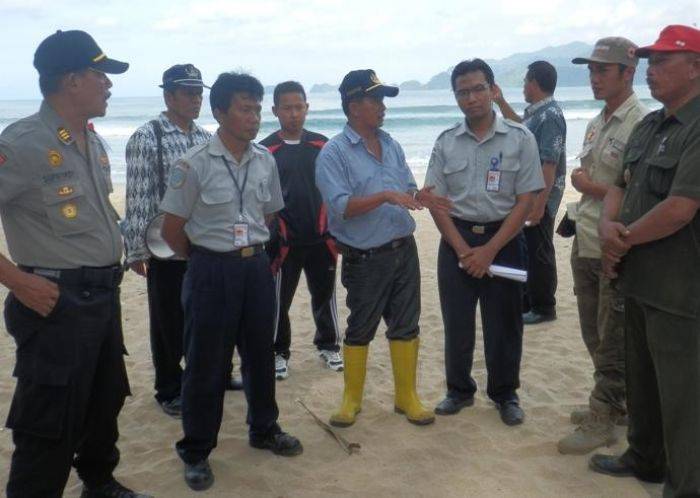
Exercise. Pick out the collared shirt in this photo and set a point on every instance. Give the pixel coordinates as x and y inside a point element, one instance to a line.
<point>202,190</point>
<point>143,186</point>
<point>662,159</point>
<point>345,169</point>
<point>54,201</point>
<point>601,157</point>
<point>546,121</point>
<point>460,164</point>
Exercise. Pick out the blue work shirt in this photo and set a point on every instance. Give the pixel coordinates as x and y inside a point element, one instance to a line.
<point>545,120</point>
<point>345,169</point>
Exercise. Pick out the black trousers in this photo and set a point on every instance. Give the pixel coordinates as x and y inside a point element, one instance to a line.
<point>501,317</point>
<point>167,323</point>
<point>318,265</point>
<point>227,301</point>
<point>71,385</point>
<point>382,285</point>
<point>541,285</point>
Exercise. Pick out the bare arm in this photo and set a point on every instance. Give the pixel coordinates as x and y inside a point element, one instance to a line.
<point>582,182</point>
<point>504,106</point>
<point>612,233</point>
<point>549,171</point>
<point>35,292</point>
<point>173,232</point>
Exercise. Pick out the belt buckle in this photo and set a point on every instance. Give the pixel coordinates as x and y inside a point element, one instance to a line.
<point>247,252</point>
<point>479,229</point>
<point>47,273</point>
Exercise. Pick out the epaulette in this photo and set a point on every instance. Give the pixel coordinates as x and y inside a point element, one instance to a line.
<point>456,125</point>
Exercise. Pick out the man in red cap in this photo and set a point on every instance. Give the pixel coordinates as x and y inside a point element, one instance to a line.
<point>650,235</point>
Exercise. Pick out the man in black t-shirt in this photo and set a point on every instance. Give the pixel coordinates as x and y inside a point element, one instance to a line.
<point>301,240</point>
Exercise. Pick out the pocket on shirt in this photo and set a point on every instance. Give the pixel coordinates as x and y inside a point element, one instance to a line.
<point>214,197</point>
<point>68,209</point>
<point>509,173</point>
<point>660,173</point>
<point>456,175</point>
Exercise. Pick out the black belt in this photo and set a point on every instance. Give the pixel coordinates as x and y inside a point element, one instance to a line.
<point>478,227</point>
<point>352,252</point>
<point>243,252</point>
<point>102,276</point>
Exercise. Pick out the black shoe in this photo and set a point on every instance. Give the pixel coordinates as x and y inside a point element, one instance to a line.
<point>111,489</point>
<point>450,406</point>
<point>172,407</point>
<point>617,467</point>
<point>532,318</point>
<point>199,476</point>
<point>511,413</point>
<point>234,384</point>
<point>280,443</point>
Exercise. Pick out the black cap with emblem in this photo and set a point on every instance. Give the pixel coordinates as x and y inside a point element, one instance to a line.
<point>364,82</point>
<point>182,75</point>
<point>68,51</point>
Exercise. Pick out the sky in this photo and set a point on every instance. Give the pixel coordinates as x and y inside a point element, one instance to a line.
<point>316,41</point>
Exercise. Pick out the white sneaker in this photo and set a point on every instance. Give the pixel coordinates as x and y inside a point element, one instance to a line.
<point>281,369</point>
<point>333,359</point>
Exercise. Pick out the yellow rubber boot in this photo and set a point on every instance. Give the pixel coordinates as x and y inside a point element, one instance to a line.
<point>355,360</point>
<point>404,360</point>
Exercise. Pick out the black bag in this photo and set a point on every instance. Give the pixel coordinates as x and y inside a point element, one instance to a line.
<point>566,227</point>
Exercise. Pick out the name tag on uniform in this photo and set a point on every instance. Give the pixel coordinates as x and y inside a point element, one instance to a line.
<point>493,180</point>
<point>240,235</point>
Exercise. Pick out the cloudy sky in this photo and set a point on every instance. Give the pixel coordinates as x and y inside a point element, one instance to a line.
<point>316,40</point>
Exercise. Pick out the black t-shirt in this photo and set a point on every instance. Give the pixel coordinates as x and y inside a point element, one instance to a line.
<point>303,216</point>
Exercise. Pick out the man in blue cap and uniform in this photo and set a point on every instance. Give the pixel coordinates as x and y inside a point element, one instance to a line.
<point>63,309</point>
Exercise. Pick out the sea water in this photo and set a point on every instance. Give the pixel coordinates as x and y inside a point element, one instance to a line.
<point>414,118</point>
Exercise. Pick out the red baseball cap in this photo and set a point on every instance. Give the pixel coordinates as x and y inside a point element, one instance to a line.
<point>674,38</point>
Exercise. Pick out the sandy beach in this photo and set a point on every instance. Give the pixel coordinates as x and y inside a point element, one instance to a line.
<point>469,454</point>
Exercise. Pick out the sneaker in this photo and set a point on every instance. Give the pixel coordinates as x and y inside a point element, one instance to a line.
<point>281,369</point>
<point>332,358</point>
<point>111,489</point>
<point>172,407</point>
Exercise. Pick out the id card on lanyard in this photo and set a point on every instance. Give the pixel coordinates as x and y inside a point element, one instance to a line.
<point>493,175</point>
<point>241,236</point>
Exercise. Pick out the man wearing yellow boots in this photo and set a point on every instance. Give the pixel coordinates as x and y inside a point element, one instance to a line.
<point>368,189</point>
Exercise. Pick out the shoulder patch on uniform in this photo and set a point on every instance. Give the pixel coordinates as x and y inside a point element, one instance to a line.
<point>178,175</point>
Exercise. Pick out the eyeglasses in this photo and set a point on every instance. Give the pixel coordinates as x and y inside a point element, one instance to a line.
<point>477,91</point>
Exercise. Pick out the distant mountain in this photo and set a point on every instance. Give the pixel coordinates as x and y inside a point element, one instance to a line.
<point>510,71</point>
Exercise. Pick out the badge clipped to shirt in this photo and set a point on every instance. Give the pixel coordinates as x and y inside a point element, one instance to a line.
<point>493,176</point>
<point>240,235</point>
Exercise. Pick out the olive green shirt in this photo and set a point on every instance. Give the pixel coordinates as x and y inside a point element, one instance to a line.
<point>662,159</point>
<point>54,201</point>
<point>601,157</point>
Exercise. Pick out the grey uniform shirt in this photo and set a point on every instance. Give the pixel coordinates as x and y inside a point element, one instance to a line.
<point>54,201</point>
<point>460,164</point>
<point>202,191</point>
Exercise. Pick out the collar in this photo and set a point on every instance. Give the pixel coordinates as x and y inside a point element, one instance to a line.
<point>532,108</point>
<point>690,111</point>
<point>621,112</point>
<point>58,127</point>
<point>217,148</point>
<point>498,126</point>
<point>355,138</point>
<point>170,127</point>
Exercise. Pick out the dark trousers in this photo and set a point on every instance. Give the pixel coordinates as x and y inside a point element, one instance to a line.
<point>164,280</point>
<point>382,285</point>
<point>227,301</point>
<point>501,317</point>
<point>319,267</point>
<point>663,396</point>
<point>71,385</point>
<point>541,285</point>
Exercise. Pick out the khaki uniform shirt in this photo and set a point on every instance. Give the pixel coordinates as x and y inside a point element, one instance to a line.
<point>201,190</point>
<point>662,159</point>
<point>601,157</point>
<point>54,201</point>
<point>460,164</point>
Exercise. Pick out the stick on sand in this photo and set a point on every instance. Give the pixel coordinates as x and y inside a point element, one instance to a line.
<point>347,446</point>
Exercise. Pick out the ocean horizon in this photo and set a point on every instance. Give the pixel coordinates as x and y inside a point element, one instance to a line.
<point>414,118</point>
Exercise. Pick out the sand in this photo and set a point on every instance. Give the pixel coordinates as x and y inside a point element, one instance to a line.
<point>469,454</point>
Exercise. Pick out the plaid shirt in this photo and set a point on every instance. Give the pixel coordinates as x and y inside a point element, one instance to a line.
<point>142,178</point>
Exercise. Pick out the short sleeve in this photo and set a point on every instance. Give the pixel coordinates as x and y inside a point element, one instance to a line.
<point>332,180</point>
<point>686,182</point>
<point>183,191</point>
<point>276,202</point>
<point>434,177</point>
<point>552,139</point>
<point>13,178</point>
<point>529,177</point>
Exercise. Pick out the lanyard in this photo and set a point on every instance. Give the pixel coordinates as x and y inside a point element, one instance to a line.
<point>239,188</point>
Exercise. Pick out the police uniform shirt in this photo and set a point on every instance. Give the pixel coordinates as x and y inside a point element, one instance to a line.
<point>601,157</point>
<point>661,160</point>
<point>54,201</point>
<point>459,169</point>
<point>201,190</point>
